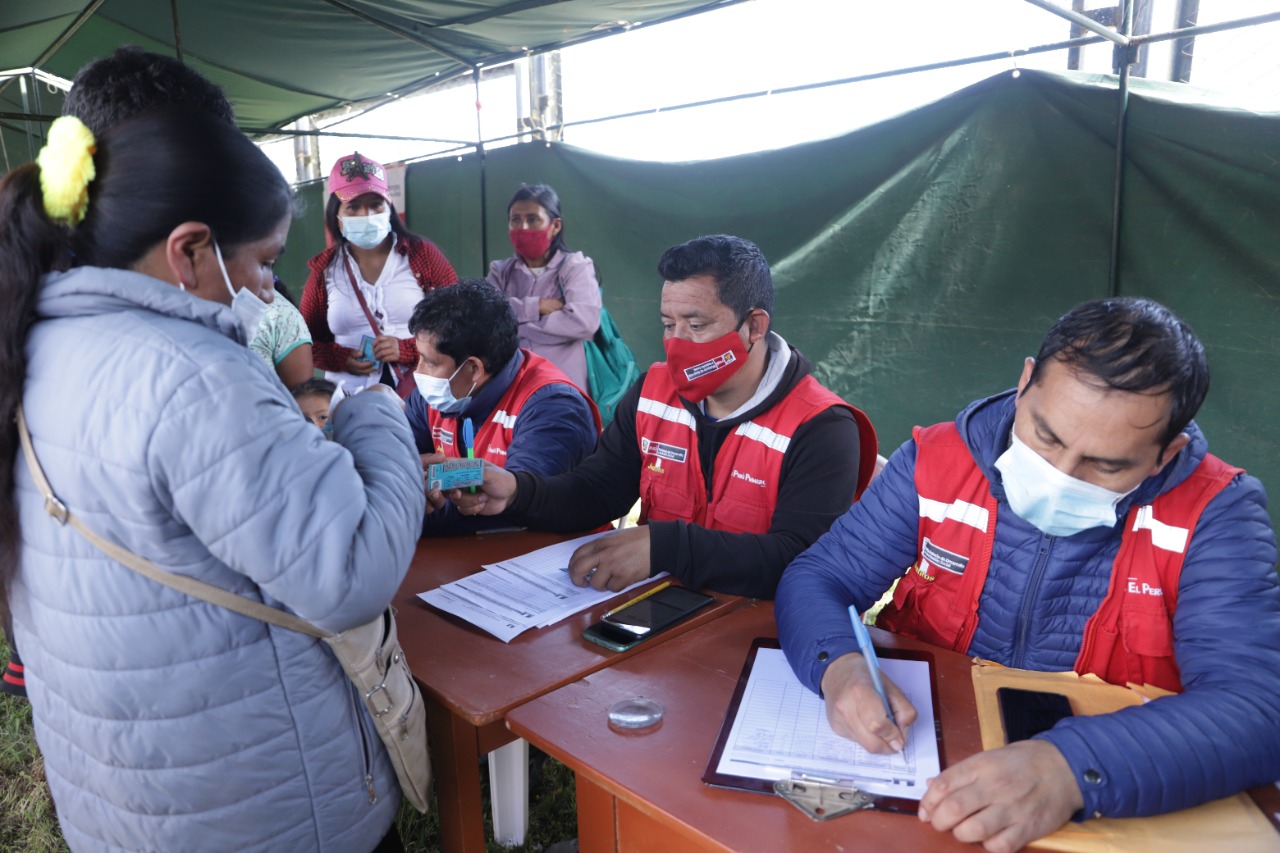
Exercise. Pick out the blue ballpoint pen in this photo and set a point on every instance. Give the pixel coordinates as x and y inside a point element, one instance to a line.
<point>469,439</point>
<point>869,654</point>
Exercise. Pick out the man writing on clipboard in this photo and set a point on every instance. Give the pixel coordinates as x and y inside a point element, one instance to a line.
<point>1075,523</point>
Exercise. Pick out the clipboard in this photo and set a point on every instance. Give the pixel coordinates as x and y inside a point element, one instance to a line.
<point>821,797</point>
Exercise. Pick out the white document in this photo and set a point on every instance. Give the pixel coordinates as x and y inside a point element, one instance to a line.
<point>782,727</point>
<point>529,591</point>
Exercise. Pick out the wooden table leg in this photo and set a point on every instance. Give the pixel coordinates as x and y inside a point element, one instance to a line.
<point>596,823</point>
<point>455,761</point>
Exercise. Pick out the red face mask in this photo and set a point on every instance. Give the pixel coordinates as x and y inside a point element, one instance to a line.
<point>530,245</point>
<point>699,369</point>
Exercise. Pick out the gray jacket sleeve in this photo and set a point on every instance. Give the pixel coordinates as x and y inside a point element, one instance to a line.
<point>326,528</point>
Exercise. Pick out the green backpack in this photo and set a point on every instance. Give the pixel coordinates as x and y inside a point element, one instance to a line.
<point>611,366</point>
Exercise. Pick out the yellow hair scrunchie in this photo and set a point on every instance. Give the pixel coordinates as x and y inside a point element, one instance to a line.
<point>66,169</point>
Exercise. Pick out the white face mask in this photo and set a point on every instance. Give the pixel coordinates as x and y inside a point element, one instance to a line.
<point>439,393</point>
<point>367,232</point>
<point>248,307</point>
<point>1056,503</point>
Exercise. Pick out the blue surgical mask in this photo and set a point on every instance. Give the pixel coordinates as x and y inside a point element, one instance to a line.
<point>367,232</point>
<point>247,305</point>
<point>1056,503</point>
<point>439,393</point>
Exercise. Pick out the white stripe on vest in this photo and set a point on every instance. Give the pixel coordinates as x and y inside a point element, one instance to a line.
<point>665,412</point>
<point>764,435</point>
<point>502,419</point>
<point>1166,537</point>
<point>961,511</point>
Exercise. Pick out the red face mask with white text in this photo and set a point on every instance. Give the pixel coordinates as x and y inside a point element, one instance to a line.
<point>529,244</point>
<point>699,369</point>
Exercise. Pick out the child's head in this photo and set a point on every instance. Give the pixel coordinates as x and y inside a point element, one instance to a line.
<point>313,398</point>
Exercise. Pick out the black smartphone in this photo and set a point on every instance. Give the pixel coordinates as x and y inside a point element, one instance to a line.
<point>1029,712</point>
<point>636,623</point>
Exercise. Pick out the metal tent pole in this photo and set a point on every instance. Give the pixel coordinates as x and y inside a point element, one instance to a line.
<point>1087,23</point>
<point>484,192</point>
<point>177,31</point>
<point>85,14</point>
<point>1124,57</point>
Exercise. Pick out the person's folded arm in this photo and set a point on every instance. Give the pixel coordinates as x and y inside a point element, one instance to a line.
<point>1222,734</point>
<point>864,552</point>
<point>580,316</point>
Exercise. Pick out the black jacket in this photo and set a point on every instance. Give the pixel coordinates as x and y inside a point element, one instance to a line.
<point>819,473</point>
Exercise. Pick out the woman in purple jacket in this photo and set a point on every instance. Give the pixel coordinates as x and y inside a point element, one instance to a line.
<point>553,291</point>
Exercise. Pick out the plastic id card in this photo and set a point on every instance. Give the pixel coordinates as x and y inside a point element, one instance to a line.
<point>455,474</point>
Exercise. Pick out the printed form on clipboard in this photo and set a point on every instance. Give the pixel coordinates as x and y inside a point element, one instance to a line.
<point>776,729</point>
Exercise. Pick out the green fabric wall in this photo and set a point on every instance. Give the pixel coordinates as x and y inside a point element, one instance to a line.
<point>918,261</point>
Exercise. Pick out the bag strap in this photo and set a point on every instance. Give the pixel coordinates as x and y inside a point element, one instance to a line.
<point>368,315</point>
<point>192,587</point>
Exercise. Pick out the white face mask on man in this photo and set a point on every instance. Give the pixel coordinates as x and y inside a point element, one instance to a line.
<point>1055,503</point>
<point>439,392</point>
<point>247,305</point>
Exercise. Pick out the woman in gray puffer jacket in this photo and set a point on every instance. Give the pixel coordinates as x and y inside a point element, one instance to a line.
<point>167,723</point>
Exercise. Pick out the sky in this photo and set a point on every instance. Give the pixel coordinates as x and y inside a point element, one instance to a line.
<point>769,44</point>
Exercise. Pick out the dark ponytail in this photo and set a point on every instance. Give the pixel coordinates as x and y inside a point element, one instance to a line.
<point>154,172</point>
<point>30,245</point>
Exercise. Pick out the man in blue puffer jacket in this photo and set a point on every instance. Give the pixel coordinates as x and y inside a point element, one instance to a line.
<point>1011,522</point>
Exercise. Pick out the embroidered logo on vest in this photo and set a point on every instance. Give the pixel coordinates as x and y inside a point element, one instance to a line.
<point>440,435</point>
<point>663,451</point>
<point>496,451</point>
<point>738,475</point>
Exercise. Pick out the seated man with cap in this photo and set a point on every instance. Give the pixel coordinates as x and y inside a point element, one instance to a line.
<point>523,412</point>
<point>739,457</point>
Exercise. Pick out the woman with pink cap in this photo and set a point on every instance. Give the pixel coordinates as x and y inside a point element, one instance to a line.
<point>366,284</point>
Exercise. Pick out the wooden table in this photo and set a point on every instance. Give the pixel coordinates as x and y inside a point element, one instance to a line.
<point>643,791</point>
<point>471,679</point>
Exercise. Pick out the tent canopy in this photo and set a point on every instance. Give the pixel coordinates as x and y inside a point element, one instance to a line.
<point>284,59</point>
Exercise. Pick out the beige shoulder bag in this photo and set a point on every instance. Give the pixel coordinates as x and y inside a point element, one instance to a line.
<point>370,654</point>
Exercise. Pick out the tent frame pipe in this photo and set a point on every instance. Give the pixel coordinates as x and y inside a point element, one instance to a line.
<point>1125,57</point>
<point>1184,49</point>
<point>484,178</point>
<point>397,30</point>
<point>1191,32</point>
<point>1083,21</point>
<point>807,87</point>
<point>177,31</point>
<point>85,14</point>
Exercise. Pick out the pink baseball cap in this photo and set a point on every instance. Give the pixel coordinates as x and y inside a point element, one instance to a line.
<point>356,175</point>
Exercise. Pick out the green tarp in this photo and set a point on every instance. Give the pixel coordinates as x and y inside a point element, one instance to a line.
<point>282,59</point>
<point>920,260</point>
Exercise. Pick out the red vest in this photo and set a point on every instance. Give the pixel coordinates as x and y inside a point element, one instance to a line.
<point>747,467</point>
<point>1130,636</point>
<point>495,434</point>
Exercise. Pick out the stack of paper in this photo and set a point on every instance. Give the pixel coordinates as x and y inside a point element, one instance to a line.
<point>530,591</point>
